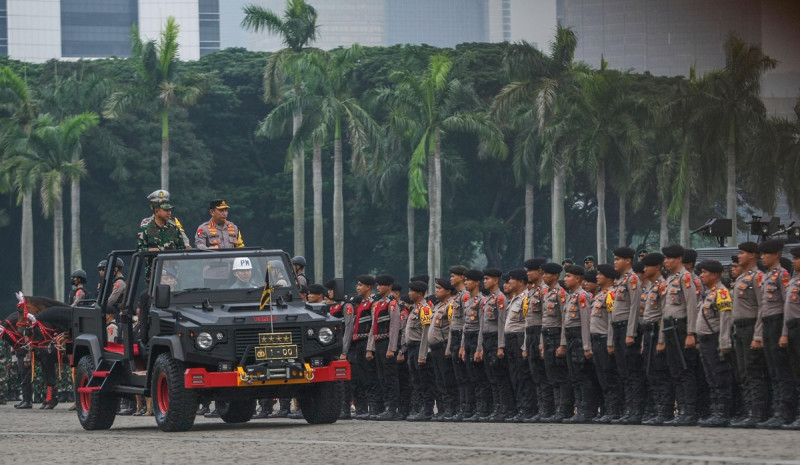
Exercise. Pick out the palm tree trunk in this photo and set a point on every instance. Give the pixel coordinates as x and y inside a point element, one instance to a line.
<point>623,234</point>
<point>663,238</point>
<point>338,211</point>
<point>435,212</point>
<point>75,225</point>
<point>730,192</point>
<point>410,228</point>
<point>26,244</point>
<point>58,250</point>
<point>298,189</point>
<point>316,168</point>
<point>602,240</point>
<point>558,226</point>
<point>164,150</point>
<point>528,220</point>
<point>685,240</point>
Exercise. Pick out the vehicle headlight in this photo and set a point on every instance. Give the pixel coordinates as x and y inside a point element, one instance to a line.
<point>325,335</point>
<point>204,340</point>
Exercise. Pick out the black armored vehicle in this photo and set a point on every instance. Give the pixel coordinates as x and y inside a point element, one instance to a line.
<point>226,325</point>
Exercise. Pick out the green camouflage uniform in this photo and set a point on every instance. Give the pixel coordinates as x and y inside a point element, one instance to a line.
<point>167,237</point>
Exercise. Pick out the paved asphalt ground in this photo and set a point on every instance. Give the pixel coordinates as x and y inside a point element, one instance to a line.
<point>35,436</point>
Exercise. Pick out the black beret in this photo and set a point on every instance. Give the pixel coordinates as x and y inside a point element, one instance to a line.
<point>673,251</point>
<point>316,289</point>
<point>519,274</point>
<point>330,284</point>
<point>535,263</point>
<point>396,286</point>
<point>712,266</point>
<point>653,259</point>
<point>689,256</point>
<point>421,277</point>
<point>795,252</point>
<point>505,277</point>
<point>749,247</point>
<point>567,260</point>
<point>366,279</point>
<point>418,286</point>
<point>590,276</point>
<point>608,271</point>
<point>493,272</point>
<point>772,246</point>
<point>624,252</point>
<point>458,270</point>
<point>384,280</point>
<point>552,268</point>
<point>445,283</point>
<point>474,275</point>
<point>735,258</point>
<point>638,267</point>
<point>574,270</point>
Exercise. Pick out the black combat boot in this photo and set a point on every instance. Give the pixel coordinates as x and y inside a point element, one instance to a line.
<point>578,418</point>
<point>750,420</point>
<point>51,400</point>
<point>685,417</point>
<point>794,426</point>
<point>775,422</point>
<point>389,414</point>
<point>423,415</point>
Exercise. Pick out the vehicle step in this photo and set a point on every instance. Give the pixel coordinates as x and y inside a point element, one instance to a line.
<point>100,374</point>
<point>140,373</point>
<point>88,389</point>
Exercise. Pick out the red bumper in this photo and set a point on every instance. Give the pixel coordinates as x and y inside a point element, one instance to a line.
<point>199,378</point>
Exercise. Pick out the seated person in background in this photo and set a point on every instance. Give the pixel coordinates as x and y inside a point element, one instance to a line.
<point>169,277</point>
<point>277,274</point>
<point>243,272</point>
<point>112,331</point>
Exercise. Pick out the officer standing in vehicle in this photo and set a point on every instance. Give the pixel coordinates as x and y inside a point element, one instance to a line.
<point>218,233</point>
<point>159,234</point>
<point>299,265</point>
<point>101,270</point>
<point>157,197</point>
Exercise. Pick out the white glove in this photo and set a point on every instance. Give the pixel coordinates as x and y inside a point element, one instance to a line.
<point>31,318</point>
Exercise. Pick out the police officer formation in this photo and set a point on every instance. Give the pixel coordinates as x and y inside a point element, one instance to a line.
<point>653,341</point>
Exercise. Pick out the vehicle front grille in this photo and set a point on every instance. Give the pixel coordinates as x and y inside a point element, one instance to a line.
<point>244,338</point>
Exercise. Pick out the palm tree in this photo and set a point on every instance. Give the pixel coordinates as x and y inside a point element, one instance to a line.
<point>524,65</point>
<point>737,111</point>
<point>51,155</point>
<point>158,85</point>
<point>298,28</point>
<point>19,109</point>
<point>435,102</point>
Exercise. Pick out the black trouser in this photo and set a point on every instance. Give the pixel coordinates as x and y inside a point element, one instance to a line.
<point>544,390</point>
<point>659,384</point>
<point>629,366</point>
<point>404,385</point>
<point>751,368</point>
<point>387,375</point>
<point>48,360</point>
<point>556,369</point>
<point>519,371</point>
<point>580,372</point>
<point>445,378</point>
<point>363,377</point>
<point>24,373</point>
<point>497,372</point>
<point>477,374</point>
<point>718,374</point>
<point>682,364</point>
<point>466,393</point>
<point>606,371</point>
<point>779,370</point>
<point>794,358</point>
<point>422,377</point>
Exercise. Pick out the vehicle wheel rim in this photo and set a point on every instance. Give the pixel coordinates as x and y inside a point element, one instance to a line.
<point>163,393</point>
<point>86,397</point>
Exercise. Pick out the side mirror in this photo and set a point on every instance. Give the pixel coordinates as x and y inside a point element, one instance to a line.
<point>162,296</point>
<point>338,290</point>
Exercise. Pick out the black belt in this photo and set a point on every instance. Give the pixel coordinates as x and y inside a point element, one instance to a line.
<point>619,324</point>
<point>650,326</point>
<point>532,329</point>
<point>707,337</point>
<point>437,346</point>
<point>575,331</point>
<point>551,331</point>
<point>772,317</point>
<point>471,333</point>
<point>744,322</point>
<point>599,336</point>
<point>792,324</point>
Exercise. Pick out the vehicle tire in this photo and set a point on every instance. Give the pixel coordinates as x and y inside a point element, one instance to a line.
<point>96,410</point>
<point>322,403</point>
<point>236,411</point>
<point>174,406</point>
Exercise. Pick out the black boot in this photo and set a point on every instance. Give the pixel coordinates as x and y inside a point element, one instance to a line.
<point>794,426</point>
<point>25,404</point>
<point>685,417</point>
<point>51,400</point>
<point>421,416</point>
<point>750,420</point>
<point>775,422</point>
<point>389,414</point>
<point>579,417</point>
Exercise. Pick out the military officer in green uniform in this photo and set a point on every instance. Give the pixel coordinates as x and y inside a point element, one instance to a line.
<point>160,234</point>
<point>156,197</point>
